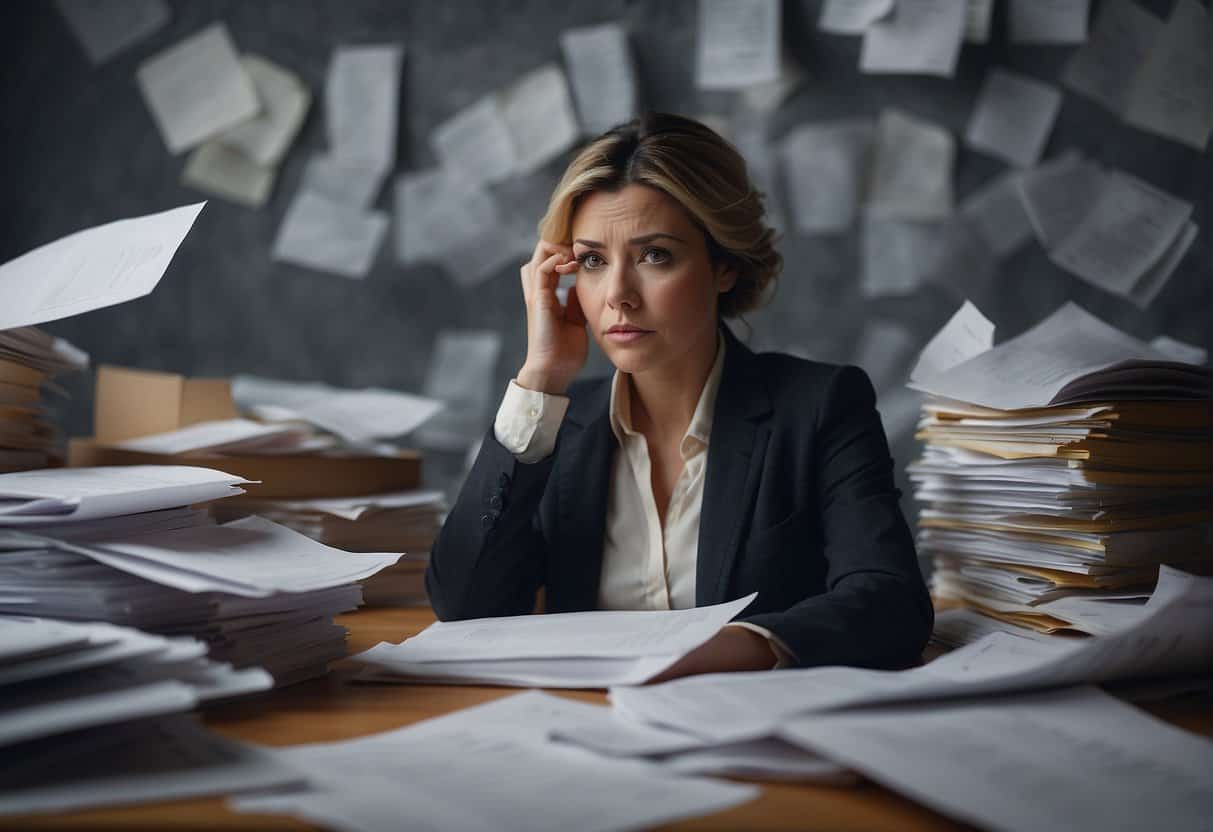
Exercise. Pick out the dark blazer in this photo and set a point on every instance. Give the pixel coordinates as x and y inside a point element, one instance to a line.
<point>798,505</point>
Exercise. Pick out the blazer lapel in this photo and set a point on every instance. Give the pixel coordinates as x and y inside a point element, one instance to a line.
<point>575,564</point>
<point>735,455</point>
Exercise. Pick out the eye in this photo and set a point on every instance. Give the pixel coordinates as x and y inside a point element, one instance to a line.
<point>589,260</point>
<point>655,256</point>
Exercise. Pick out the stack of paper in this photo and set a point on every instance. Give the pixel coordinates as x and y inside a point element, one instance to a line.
<point>29,360</point>
<point>121,545</point>
<point>404,521</point>
<point>1061,468</point>
<point>568,650</point>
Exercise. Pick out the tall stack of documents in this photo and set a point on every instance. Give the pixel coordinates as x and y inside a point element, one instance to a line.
<point>1061,469</point>
<point>122,545</point>
<point>29,360</point>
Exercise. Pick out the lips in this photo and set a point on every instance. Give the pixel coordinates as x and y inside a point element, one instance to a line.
<point>625,328</point>
<point>626,334</point>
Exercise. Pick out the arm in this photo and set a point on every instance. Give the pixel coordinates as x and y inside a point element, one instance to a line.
<point>876,611</point>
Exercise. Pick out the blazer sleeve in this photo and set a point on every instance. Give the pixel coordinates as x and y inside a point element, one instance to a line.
<point>490,556</point>
<point>876,610</point>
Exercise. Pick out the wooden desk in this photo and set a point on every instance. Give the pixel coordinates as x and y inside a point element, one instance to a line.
<point>332,708</point>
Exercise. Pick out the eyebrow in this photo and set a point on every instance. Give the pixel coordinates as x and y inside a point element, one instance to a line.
<point>635,241</point>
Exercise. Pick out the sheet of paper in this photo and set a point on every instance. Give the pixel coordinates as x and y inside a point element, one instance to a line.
<point>221,171</point>
<point>763,99</point>
<point>197,88</point>
<point>402,777</point>
<point>93,268</point>
<point>1013,117</point>
<point>462,374</point>
<point>912,169</point>
<point>1104,68</point>
<point>106,29</point>
<point>737,43</point>
<point>1048,21</point>
<point>995,211</point>
<point>219,435</point>
<point>1058,194</point>
<point>285,100</point>
<point>382,664</point>
<point>966,334</point>
<point>1172,94</point>
<point>475,143</point>
<point>147,761</point>
<point>1031,369</point>
<point>763,163</point>
<point>852,17</point>
<point>602,75</point>
<point>1180,350</point>
<point>897,256</point>
<point>362,102</point>
<point>1069,749</point>
<point>978,17</point>
<point>538,110</point>
<point>329,236</point>
<point>826,167</point>
<point>60,494</point>
<point>1130,227</point>
<point>600,634</point>
<point>1152,282</point>
<point>351,183</point>
<point>252,558</point>
<point>767,759</point>
<point>920,37</point>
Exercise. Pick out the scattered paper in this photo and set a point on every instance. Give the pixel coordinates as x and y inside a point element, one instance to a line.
<point>1104,68</point>
<point>995,211</point>
<point>329,236</point>
<point>738,43</point>
<point>475,143</point>
<point>897,256</point>
<point>284,104</point>
<point>1058,194</point>
<point>91,269</point>
<point>462,374</point>
<point>106,29</point>
<point>852,17</point>
<point>220,171</point>
<point>1048,21</point>
<point>978,17</point>
<point>1013,117</point>
<point>920,37</point>
<point>1152,282</point>
<point>1180,350</point>
<point>538,111</point>
<point>197,88</point>
<point>602,75</point>
<point>826,167</point>
<point>966,334</point>
<point>346,182</point>
<point>362,102</point>
<point>218,436</point>
<point>912,169</point>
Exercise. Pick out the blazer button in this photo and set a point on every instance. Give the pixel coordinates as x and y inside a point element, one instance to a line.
<point>496,502</point>
<point>487,521</point>
<point>503,479</point>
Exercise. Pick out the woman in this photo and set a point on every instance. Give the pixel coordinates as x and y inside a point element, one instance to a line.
<point>701,471</point>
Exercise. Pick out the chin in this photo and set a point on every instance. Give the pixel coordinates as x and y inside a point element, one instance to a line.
<point>627,359</point>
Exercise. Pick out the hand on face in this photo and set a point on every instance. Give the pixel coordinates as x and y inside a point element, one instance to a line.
<point>557,342</point>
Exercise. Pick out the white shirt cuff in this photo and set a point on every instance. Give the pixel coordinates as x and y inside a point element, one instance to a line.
<point>783,656</point>
<point>527,422</point>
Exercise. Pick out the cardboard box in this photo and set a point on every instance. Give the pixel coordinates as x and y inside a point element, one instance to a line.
<point>132,403</point>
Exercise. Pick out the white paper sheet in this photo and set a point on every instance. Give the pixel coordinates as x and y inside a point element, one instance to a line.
<point>978,17</point>
<point>852,17</point>
<point>966,334</point>
<point>73,494</point>
<point>461,374</point>
<point>362,102</point>
<point>1013,117</point>
<point>197,88</point>
<point>105,29</point>
<point>506,768</point>
<point>1054,22</point>
<point>538,110</point>
<point>93,268</point>
<point>1172,94</point>
<point>382,664</point>
<point>920,37</point>
<point>766,759</point>
<point>912,169</point>
<point>1105,67</point>
<point>1152,282</point>
<point>284,99</point>
<point>329,236</point>
<point>1180,350</point>
<point>737,43</point>
<point>826,166</point>
<point>220,171</point>
<point>601,74</point>
<point>897,256</point>
<point>1058,194</point>
<point>219,435</point>
<point>1045,762</point>
<point>475,143</point>
<point>352,508</point>
<point>342,181</point>
<point>995,211</point>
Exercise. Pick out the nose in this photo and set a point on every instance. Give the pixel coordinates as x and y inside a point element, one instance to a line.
<point>621,290</point>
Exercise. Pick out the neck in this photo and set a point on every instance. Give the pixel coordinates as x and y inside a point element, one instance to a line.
<point>664,398</point>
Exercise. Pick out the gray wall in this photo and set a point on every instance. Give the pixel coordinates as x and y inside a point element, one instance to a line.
<point>79,148</point>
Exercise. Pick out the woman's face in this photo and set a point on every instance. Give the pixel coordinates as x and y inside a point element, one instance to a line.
<point>645,280</point>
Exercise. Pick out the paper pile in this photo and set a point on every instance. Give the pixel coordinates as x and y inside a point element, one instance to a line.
<point>121,545</point>
<point>1061,468</point>
<point>29,360</point>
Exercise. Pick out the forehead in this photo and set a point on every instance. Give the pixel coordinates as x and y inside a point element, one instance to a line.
<point>632,209</point>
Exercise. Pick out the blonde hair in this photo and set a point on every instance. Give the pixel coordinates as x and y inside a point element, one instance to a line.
<point>697,168</point>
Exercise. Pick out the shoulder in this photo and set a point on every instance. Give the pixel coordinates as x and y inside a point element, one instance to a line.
<point>800,381</point>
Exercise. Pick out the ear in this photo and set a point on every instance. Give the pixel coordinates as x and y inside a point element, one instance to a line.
<point>726,276</point>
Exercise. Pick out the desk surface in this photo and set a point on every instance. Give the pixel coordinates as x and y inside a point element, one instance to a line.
<point>333,708</point>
